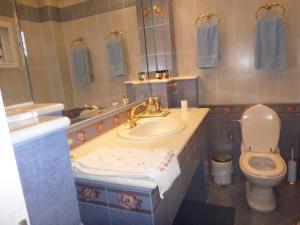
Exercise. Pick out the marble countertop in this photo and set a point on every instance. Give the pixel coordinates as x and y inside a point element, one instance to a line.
<point>193,118</point>
<point>36,126</point>
<point>157,81</point>
<point>28,120</point>
<point>39,108</point>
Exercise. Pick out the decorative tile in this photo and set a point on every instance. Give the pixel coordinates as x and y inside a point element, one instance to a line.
<point>116,121</point>
<point>81,137</point>
<point>100,127</point>
<point>130,201</point>
<point>290,109</point>
<point>87,132</point>
<point>92,194</point>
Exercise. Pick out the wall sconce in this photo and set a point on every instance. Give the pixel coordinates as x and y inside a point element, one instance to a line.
<point>146,12</point>
<point>158,10</point>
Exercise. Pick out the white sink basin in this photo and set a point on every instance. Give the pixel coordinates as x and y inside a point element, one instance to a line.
<point>152,129</point>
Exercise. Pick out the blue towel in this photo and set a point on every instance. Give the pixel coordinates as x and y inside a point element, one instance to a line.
<point>208,46</point>
<point>116,57</point>
<point>82,65</point>
<point>270,44</point>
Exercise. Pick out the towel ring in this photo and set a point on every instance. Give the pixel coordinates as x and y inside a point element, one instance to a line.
<point>270,6</point>
<point>113,34</point>
<point>208,16</point>
<point>78,40</point>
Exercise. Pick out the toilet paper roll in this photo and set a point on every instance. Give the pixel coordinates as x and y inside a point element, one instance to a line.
<point>292,171</point>
<point>184,105</point>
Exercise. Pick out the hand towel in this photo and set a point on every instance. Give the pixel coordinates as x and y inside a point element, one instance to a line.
<point>116,57</point>
<point>208,46</point>
<point>270,44</point>
<point>158,165</point>
<point>82,65</point>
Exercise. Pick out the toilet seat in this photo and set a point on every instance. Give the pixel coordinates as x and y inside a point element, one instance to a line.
<point>260,127</point>
<point>262,164</point>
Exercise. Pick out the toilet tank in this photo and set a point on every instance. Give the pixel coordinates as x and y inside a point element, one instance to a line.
<point>260,129</point>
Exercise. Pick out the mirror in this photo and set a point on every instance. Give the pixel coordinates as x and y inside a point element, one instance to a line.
<point>14,82</point>
<point>81,52</point>
<point>159,36</point>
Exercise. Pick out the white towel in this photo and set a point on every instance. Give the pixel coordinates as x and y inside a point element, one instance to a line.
<point>158,165</point>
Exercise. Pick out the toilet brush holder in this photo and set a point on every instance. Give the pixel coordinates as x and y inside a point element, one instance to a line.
<point>292,171</point>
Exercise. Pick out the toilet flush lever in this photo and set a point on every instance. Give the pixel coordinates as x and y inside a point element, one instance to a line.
<point>234,121</point>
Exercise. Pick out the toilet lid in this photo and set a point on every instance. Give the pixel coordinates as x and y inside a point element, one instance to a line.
<point>260,129</point>
<point>262,164</point>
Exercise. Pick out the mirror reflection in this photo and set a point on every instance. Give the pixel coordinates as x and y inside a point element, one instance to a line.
<point>80,53</point>
<point>14,82</point>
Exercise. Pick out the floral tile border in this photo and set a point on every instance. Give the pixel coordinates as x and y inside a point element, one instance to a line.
<point>88,132</point>
<point>91,194</point>
<point>129,200</point>
<point>239,109</point>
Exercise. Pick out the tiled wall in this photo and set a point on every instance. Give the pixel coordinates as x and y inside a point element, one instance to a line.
<point>79,133</point>
<point>47,180</point>
<point>235,80</point>
<point>170,95</point>
<point>224,133</point>
<point>112,204</point>
<point>49,31</point>
<point>13,81</point>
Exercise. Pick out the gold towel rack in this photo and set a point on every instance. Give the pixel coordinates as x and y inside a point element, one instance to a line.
<point>113,34</point>
<point>208,16</point>
<point>78,40</point>
<point>269,6</point>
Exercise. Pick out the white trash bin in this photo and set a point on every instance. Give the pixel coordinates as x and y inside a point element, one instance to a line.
<point>221,169</point>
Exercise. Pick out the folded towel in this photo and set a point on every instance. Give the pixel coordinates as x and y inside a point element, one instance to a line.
<point>208,46</point>
<point>116,57</point>
<point>270,44</point>
<point>158,165</point>
<point>82,65</point>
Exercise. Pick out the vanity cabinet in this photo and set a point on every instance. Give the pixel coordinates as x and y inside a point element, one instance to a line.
<point>105,203</point>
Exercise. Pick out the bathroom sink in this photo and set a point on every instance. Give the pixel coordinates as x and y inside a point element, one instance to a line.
<point>152,129</point>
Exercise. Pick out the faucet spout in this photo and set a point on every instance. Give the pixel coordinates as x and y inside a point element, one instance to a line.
<point>133,115</point>
<point>93,107</point>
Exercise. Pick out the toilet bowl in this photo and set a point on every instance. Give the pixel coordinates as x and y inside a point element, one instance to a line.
<point>260,159</point>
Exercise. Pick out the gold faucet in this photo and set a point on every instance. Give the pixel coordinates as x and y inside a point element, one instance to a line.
<point>133,115</point>
<point>93,107</point>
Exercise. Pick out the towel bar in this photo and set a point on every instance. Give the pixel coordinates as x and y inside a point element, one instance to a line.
<point>208,16</point>
<point>269,6</point>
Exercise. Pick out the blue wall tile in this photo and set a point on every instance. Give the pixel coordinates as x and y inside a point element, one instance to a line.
<point>120,217</point>
<point>94,215</point>
<point>47,180</point>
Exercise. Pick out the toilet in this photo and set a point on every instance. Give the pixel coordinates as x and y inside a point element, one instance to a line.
<point>260,159</point>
